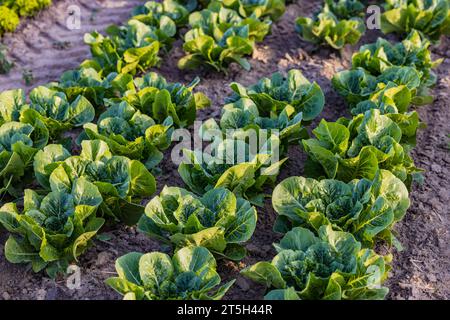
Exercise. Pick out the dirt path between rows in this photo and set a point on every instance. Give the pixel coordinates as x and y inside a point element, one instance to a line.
<point>420,271</point>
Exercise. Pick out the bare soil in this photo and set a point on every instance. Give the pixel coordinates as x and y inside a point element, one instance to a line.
<point>420,271</point>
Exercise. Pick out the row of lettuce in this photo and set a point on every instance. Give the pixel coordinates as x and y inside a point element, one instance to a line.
<point>359,170</point>
<point>341,22</point>
<point>218,33</point>
<point>12,10</point>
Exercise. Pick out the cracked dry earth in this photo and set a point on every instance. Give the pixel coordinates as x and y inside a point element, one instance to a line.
<point>420,271</point>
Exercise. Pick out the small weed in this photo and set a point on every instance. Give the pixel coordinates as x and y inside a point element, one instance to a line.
<point>28,77</point>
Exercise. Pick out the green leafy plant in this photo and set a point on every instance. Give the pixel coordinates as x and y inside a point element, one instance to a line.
<point>414,52</point>
<point>28,77</point>
<point>358,85</point>
<point>347,150</point>
<point>272,9</point>
<point>122,182</point>
<point>233,165</point>
<point>9,20</point>
<point>219,36</point>
<point>19,142</point>
<point>11,10</point>
<point>431,17</point>
<point>326,28</point>
<point>367,209</point>
<point>89,83</point>
<point>218,220</point>
<point>152,13</point>
<point>134,47</point>
<point>273,95</point>
<point>130,133</point>
<point>48,106</point>
<point>27,8</point>
<point>154,96</point>
<point>194,5</point>
<point>331,266</point>
<point>189,275</point>
<point>53,230</point>
<point>108,57</point>
<point>346,9</point>
<point>5,63</point>
<point>281,104</point>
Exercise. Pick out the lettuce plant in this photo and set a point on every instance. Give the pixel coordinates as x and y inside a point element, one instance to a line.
<point>272,95</point>
<point>130,133</point>
<point>154,96</point>
<point>27,8</point>
<point>232,164</point>
<point>194,5</point>
<point>272,9</point>
<point>346,9</point>
<point>89,83</point>
<point>331,266</point>
<point>430,17</point>
<point>108,57</point>
<point>358,85</point>
<point>367,209</point>
<point>219,36</point>
<point>218,220</point>
<point>189,275</point>
<point>122,182</point>
<point>279,105</point>
<point>134,47</point>
<point>414,52</point>
<point>53,230</point>
<point>155,11</point>
<point>9,20</point>
<point>19,142</point>
<point>150,23</point>
<point>49,107</point>
<point>357,149</point>
<point>326,28</point>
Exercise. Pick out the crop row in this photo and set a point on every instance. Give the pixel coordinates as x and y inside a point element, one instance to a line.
<point>359,170</point>
<point>341,22</point>
<point>12,10</point>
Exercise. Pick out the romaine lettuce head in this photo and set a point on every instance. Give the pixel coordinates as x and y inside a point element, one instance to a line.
<point>154,96</point>
<point>122,182</point>
<point>411,52</point>
<point>53,230</point>
<point>366,208</point>
<point>47,106</point>
<point>359,85</point>
<point>130,133</point>
<point>431,17</point>
<point>19,142</point>
<point>330,266</point>
<point>272,96</point>
<point>220,36</point>
<point>89,83</point>
<point>357,149</point>
<point>232,165</point>
<point>218,220</point>
<point>189,275</point>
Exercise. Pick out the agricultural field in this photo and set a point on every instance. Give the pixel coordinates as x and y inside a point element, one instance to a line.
<point>87,178</point>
